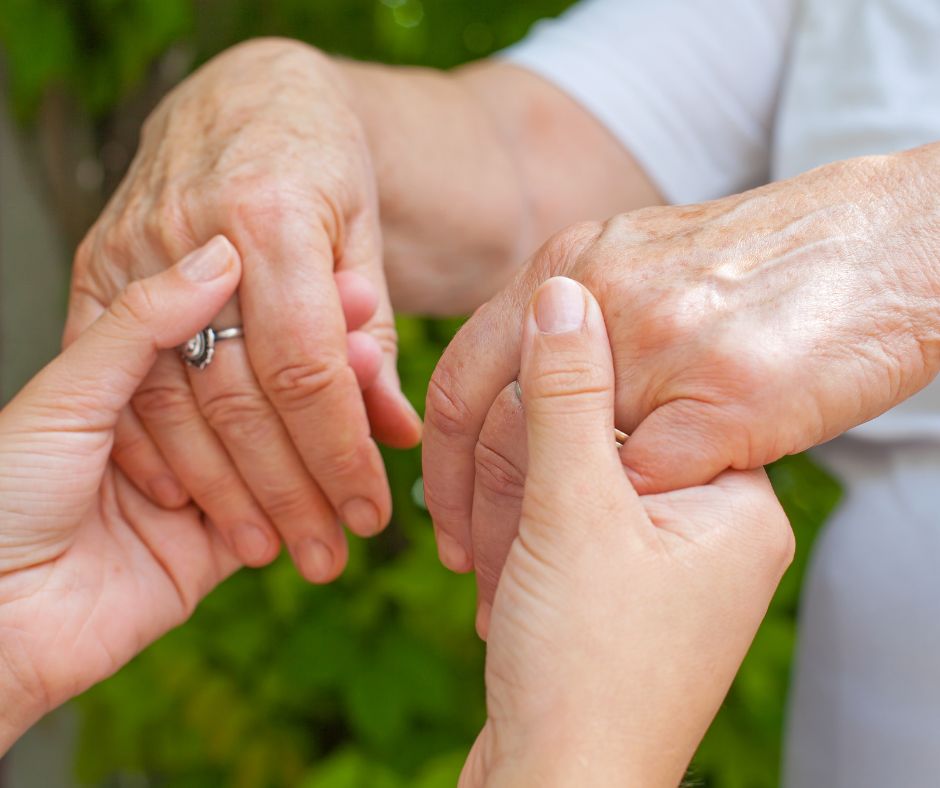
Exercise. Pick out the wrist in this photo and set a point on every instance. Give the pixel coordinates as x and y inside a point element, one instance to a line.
<point>895,244</point>
<point>588,753</point>
<point>454,212</point>
<point>911,179</point>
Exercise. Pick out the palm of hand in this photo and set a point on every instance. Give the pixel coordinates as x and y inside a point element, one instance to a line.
<point>104,574</point>
<point>650,593</point>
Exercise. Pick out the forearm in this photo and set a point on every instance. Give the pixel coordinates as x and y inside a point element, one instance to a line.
<point>477,167</point>
<point>453,206</point>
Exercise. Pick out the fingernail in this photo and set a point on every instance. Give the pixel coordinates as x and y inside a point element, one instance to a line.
<point>315,560</point>
<point>208,262</point>
<point>361,516</point>
<point>252,543</point>
<point>559,306</point>
<point>451,552</point>
<point>166,491</point>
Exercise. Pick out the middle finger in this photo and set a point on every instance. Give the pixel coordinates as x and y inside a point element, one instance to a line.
<point>230,398</point>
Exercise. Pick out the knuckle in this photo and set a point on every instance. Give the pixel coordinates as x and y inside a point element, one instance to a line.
<point>445,409</point>
<point>575,378</point>
<point>496,473</point>
<point>342,461</point>
<point>238,416</point>
<point>286,503</point>
<point>294,385</point>
<point>560,252</point>
<point>625,229</point>
<point>218,492</point>
<point>257,202</point>
<point>167,405</point>
<point>112,244</point>
<point>166,228</point>
<point>671,317</point>
<point>449,513</point>
<point>135,305</point>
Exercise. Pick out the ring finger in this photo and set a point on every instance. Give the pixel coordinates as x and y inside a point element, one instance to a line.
<point>233,404</point>
<point>167,408</point>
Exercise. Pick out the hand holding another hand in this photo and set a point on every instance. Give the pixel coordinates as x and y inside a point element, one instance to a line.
<point>91,570</point>
<point>274,440</point>
<point>619,620</point>
<point>742,330</point>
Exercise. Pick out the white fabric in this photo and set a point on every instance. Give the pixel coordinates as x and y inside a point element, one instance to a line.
<point>864,706</point>
<point>711,97</point>
<point>864,77</point>
<point>689,86</point>
<point>691,89</point>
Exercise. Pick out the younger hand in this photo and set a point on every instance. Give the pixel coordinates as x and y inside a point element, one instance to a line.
<point>619,621</point>
<point>90,570</point>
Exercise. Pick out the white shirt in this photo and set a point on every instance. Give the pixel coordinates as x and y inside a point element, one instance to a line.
<point>713,97</point>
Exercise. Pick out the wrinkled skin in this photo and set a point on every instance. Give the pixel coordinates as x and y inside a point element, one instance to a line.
<point>273,440</point>
<point>620,620</point>
<point>742,330</point>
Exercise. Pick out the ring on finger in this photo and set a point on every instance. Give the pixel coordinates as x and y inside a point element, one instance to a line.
<point>199,350</point>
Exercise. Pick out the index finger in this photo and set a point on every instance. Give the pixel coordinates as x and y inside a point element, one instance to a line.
<point>477,365</point>
<point>480,361</point>
<point>295,334</point>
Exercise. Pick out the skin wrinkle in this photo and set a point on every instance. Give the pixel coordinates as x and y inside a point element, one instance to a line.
<point>126,516</point>
<point>224,185</point>
<point>684,356</point>
<point>86,586</point>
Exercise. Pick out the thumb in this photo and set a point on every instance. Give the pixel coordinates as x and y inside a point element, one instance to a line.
<point>685,443</point>
<point>99,372</point>
<point>567,382</point>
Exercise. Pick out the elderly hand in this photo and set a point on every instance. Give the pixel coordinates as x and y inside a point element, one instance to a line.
<point>742,330</point>
<point>619,621</point>
<point>274,436</point>
<point>91,570</point>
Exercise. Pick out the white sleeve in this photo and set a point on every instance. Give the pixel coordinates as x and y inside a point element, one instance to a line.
<point>688,86</point>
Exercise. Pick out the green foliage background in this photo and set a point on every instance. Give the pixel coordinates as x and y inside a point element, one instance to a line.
<point>375,680</point>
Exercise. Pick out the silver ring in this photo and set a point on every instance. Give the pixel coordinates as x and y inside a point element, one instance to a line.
<point>198,352</point>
